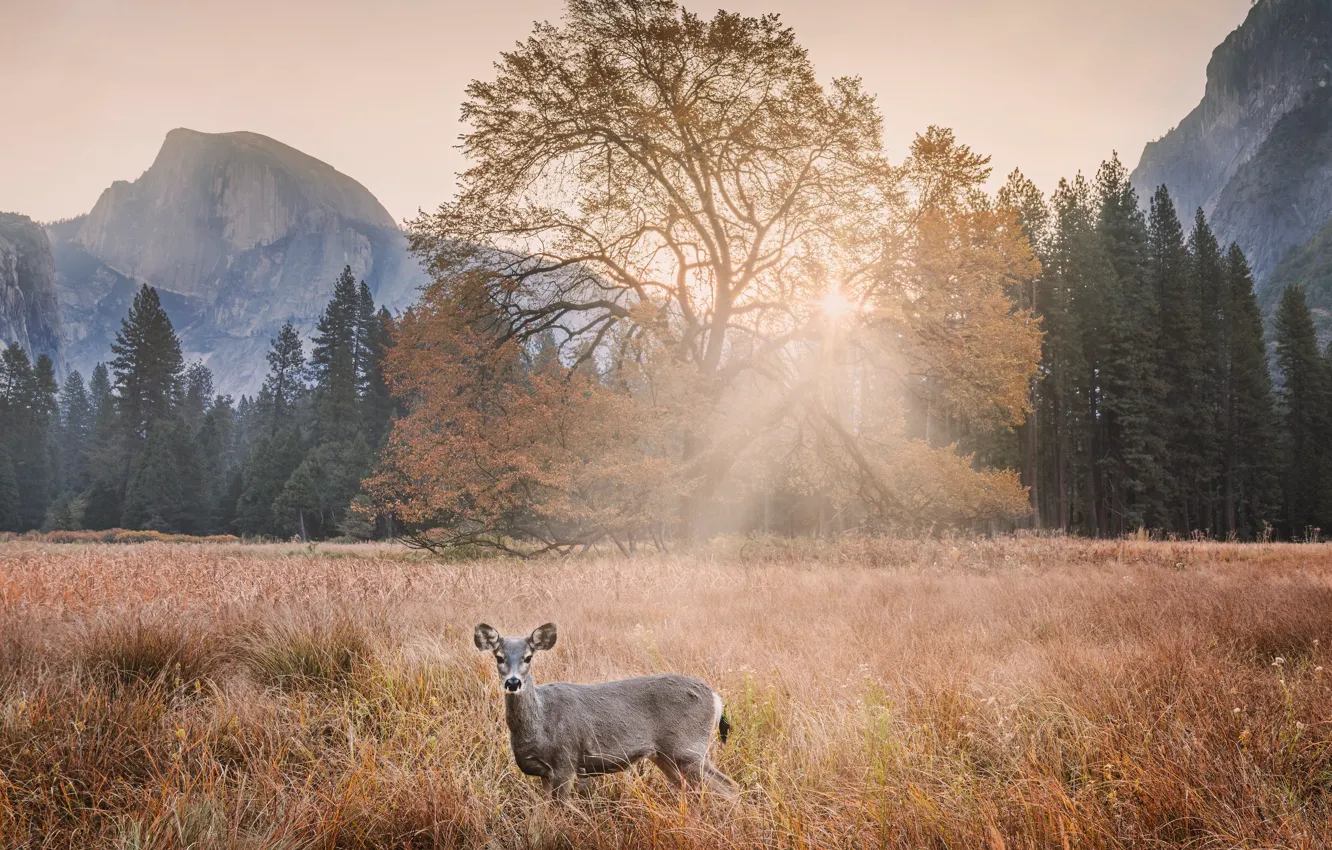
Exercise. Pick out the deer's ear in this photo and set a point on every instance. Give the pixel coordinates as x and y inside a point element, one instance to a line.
<point>486,638</point>
<point>543,637</point>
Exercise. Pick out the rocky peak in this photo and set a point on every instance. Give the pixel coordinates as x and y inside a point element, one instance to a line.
<point>239,233</point>
<point>209,196</point>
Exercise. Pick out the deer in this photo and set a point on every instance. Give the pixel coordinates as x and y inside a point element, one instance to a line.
<point>563,732</point>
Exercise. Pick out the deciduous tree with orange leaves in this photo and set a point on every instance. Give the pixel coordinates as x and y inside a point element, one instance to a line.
<point>709,251</point>
<point>505,447</point>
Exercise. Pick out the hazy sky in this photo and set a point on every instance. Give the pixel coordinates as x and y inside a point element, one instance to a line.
<point>90,87</point>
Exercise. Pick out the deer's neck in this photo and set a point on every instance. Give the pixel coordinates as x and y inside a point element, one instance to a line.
<point>523,711</point>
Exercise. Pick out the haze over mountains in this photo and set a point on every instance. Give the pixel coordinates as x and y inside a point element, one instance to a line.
<point>239,233</point>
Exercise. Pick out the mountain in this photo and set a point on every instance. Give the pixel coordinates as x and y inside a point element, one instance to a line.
<point>1255,154</point>
<point>1309,266</point>
<point>238,233</point>
<point>29,306</point>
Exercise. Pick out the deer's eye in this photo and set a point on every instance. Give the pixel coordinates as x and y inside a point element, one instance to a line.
<point>499,659</point>
<point>527,660</point>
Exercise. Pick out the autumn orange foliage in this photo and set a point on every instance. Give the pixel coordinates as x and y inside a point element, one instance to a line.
<point>661,284</point>
<point>497,449</point>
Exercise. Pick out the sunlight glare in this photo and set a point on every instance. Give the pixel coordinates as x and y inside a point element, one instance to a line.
<point>835,305</point>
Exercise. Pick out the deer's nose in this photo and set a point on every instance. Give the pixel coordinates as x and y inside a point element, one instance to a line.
<point>512,684</point>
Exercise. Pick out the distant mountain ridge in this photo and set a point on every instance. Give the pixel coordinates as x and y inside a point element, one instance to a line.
<point>1254,154</point>
<point>239,233</point>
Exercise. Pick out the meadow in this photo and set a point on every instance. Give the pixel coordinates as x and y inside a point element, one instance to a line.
<point>997,694</point>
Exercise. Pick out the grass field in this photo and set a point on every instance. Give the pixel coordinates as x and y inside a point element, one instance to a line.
<point>1012,693</point>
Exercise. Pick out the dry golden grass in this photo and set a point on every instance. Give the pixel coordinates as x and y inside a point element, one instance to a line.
<point>1013,693</point>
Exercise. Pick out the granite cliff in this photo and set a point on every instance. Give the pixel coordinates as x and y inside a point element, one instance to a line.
<point>238,233</point>
<point>1254,154</point>
<point>29,306</point>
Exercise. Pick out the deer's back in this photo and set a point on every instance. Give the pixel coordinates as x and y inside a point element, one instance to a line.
<point>613,724</point>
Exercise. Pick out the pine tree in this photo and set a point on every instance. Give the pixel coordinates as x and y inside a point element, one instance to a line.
<point>315,498</point>
<point>334,361</point>
<point>165,491</point>
<point>296,508</point>
<point>1207,278</point>
<point>265,473</point>
<point>377,403</point>
<point>9,494</point>
<point>248,427</point>
<point>28,411</point>
<point>47,390</point>
<point>1179,366</point>
<point>1133,398</point>
<point>46,413</point>
<point>154,492</point>
<point>217,440</point>
<point>148,369</point>
<point>1250,488</point>
<point>100,392</point>
<point>1099,304</point>
<point>106,455</point>
<point>366,320</point>
<point>147,365</point>
<point>64,514</point>
<point>198,394</point>
<point>15,382</point>
<point>1059,411</point>
<point>76,423</point>
<point>259,414</point>
<point>285,384</point>
<point>1063,393</point>
<point>1304,406</point>
<point>1023,197</point>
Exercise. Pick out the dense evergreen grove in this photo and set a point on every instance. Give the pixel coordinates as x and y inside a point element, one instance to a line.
<point>145,443</point>
<point>1154,411</point>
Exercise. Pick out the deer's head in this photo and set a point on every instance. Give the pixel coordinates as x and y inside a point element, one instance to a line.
<point>513,656</point>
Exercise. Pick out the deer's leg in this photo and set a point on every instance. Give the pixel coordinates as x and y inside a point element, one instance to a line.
<point>667,766</point>
<point>559,782</point>
<point>698,774</point>
<point>718,781</point>
<point>693,769</point>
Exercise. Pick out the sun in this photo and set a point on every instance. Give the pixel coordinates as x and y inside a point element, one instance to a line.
<point>835,305</point>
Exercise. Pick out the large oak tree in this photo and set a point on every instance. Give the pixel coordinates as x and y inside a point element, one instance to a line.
<point>644,181</point>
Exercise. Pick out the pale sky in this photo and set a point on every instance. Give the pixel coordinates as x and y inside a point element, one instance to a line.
<point>89,88</point>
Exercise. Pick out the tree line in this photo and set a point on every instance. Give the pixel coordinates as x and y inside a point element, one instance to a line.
<point>1155,409</point>
<point>145,443</point>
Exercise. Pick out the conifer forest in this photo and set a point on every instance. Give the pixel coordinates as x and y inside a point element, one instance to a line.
<point>144,443</point>
<point>1162,403</point>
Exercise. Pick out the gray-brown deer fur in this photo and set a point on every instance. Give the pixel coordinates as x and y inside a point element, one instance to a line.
<point>562,732</point>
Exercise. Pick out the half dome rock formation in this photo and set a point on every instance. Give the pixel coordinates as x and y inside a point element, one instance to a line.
<point>29,306</point>
<point>1253,153</point>
<point>239,233</point>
